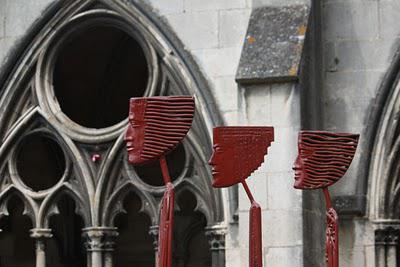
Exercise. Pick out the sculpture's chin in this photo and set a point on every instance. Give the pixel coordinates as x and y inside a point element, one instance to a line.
<point>134,159</point>
<point>298,184</point>
<point>218,182</point>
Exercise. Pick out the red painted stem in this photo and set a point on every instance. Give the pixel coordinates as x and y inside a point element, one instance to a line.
<point>164,258</point>
<point>332,233</point>
<point>255,233</point>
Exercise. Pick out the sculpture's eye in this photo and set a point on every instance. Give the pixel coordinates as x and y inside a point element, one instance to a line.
<point>134,124</point>
<point>306,153</point>
<point>217,148</point>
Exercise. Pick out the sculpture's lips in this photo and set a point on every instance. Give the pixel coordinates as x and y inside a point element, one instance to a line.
<point>129,146</point>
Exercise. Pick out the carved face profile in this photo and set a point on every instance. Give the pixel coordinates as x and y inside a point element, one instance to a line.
<point>323,158</point>
<point>156,126</point>
<point>237,152</point>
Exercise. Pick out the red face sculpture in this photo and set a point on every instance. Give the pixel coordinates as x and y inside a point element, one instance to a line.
<point>238,151</point>
<point>156,126</point>
<point>323,158</point>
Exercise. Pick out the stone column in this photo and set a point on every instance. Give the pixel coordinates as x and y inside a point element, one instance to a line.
<point>100,243</point>
<point>153,232</point>
<point>386,243</point>
<point>40,236</point>
<point>216,238</point>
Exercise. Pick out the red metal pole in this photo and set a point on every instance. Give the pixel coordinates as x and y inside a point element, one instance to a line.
<point>255,234</point>
<point>332,232</point>
<point>164,258</point>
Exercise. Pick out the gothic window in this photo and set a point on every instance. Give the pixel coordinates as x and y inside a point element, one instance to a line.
<point>68,196</point>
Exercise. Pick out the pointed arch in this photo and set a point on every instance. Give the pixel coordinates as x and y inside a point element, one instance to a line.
<point>383,162</point>
<point>27,97</point>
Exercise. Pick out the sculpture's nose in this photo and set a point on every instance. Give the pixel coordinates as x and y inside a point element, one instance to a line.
<point>128,133</point>
<point>211,161</point>
<point>296,164</point>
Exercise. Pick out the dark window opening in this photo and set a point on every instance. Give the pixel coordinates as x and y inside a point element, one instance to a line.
<point>191,247</point>
<point>17,248</point>
<point>65,248</point>
<point>96,72</point>
<point>40,162</point>
<point>151,173</point>
<point>134,246</point>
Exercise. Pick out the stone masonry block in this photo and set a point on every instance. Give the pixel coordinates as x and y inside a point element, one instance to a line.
<point>285,101</point>
<point>346,20</point>
<point>21,14</point>
<point>168,7</point>
<point>218,61</point>
<point>259,3</point>
<point>356,85</point>
<point>2,18</point>
<point>279,228</point>
<point>358,55</point>
<point>389,13</point>
<point>197,30</point>
<point>197,5</point>
<point>283,150</point>
<point>257,183</point>
<point>284,256</point>
<point>281,194</point>
<point>226,93</point>
<point>257,105</point>
<point>232,27</point>
<point>291,232</point>
<point>231,117</point>
<point>6,44</point>
<point>370,256</point>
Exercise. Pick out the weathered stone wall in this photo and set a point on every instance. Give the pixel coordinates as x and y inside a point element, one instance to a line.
<point>359,41</point>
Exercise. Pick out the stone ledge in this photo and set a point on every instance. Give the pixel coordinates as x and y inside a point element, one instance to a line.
<point>274,43</point>
<point>350,205</point>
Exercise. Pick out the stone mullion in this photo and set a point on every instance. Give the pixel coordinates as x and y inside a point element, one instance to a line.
<point>40,236</point>
<point>216,238</point>
<point>100,244</point>
<point>153,232</point>
<point>386,246</point>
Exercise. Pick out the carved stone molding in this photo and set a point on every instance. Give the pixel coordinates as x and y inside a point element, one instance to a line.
<point>37,233</point>
<point>388,236</point>
<point>153,232</point>
<point>216,237</point>
<point>100,238</point>
<point>99,189</point>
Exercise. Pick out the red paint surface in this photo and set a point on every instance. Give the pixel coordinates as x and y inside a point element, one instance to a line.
<point>323,159</point>
<point>239,151</point>
<point>156,126</point>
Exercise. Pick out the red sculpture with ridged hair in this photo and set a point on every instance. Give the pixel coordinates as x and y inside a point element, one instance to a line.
<point>237,152</point>
<point>156,126</point>
<point>323,158</point>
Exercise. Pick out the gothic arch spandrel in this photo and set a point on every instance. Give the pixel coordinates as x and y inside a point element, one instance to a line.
<point>43,98</point>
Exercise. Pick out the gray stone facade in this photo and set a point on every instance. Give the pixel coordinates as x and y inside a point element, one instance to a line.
<point>344,80</point>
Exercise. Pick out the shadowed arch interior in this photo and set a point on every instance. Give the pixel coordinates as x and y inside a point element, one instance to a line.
<point>151,173</point>
<point>16,246</point>
<point>65,248</point>
<point>191,247</point>
<point>96,72</point>
<point>40,162</point>
<point>134,246</point>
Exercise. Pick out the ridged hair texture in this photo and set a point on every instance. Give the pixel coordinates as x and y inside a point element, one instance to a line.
<point>167,119</point>
<point>250,146</point>
<point>326,156</point>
